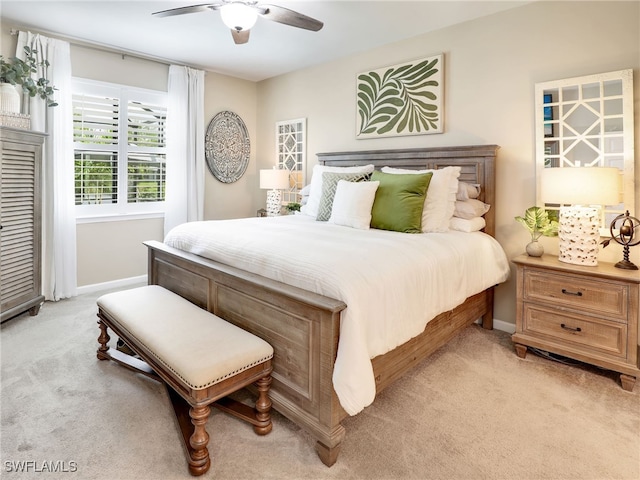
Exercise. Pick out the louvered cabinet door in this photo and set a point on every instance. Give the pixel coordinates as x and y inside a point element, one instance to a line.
<point>20,222</point>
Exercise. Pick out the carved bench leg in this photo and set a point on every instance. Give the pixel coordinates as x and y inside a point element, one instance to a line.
<point>263,406</point>
<point>103,339</point>
<point>199,461</point>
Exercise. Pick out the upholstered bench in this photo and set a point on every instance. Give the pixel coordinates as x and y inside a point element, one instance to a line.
<point>199,355</point>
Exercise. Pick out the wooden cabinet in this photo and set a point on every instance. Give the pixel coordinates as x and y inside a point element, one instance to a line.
<point>586,313</point>
<point>20,222</point>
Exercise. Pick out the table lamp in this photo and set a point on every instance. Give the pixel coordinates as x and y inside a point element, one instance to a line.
<point>275,181</point>
<point>581,191</point>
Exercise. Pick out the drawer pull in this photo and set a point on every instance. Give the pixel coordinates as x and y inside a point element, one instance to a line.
<point>573,329</point>
<point>567,292</point>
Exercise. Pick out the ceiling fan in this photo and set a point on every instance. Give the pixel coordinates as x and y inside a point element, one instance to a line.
<point>241,15</point>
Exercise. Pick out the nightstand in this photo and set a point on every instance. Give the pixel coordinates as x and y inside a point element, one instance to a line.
<point>586,313</point>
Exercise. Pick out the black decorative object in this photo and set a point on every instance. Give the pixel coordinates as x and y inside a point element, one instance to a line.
<point>227,147</point>
<point>628,228</point>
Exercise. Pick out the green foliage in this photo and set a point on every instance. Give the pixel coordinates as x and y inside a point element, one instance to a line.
<point>399,99</point>
<point>20,72</point>
<point>96,180</point>
<point>293,207</point>
<point>538,222</point>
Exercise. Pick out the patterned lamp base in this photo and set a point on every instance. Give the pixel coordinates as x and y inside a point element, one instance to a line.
<point>274,203</point>
<point>579,235</point>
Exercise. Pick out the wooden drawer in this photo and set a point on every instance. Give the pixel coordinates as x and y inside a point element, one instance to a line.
<point>599,298</point>
<point>585,334</point>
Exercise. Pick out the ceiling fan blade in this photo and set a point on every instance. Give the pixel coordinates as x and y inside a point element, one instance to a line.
<point>289,17</point>
<point>191,9</point>
<point>241,36</point>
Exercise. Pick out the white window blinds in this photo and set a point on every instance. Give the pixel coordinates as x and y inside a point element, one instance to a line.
<point>120,147</point>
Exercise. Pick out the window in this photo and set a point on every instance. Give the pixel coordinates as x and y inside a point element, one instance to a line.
<point>120,148</point>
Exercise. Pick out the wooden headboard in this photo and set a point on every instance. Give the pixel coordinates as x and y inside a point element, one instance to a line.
<point>477,164</point>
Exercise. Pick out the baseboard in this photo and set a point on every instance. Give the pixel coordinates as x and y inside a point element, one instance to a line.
<point>124,282</point>
<point>504,326</point>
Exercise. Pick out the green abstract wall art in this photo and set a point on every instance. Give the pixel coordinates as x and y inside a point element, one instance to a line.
<point>403,99</point>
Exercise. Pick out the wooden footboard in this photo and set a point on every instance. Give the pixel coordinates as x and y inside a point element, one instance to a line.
<point>302,327</point>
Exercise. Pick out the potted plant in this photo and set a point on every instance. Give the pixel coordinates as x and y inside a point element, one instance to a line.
<point>537,221</point>
<point>16,71</point>
<point>292,207</point>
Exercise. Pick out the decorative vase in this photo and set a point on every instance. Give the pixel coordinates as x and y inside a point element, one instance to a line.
<point>9,98</point>
<point>535,249</point>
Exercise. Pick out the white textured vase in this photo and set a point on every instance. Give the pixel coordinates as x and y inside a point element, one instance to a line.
<point>535,249</point>
<point>9,98</point>
<point>579,236</point>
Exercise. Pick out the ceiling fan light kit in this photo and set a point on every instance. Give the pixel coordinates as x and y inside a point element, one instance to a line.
<point>240,16</point>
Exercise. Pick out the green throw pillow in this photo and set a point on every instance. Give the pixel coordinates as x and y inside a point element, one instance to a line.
<point>399,201</point>
<point>330,185</point>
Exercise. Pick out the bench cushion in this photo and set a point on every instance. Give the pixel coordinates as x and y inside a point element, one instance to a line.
<point>198,347</point>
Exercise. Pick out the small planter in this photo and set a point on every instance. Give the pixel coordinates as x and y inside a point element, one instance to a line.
<point>9,98</point>
<point>536,220</point>
<point>534,249</point>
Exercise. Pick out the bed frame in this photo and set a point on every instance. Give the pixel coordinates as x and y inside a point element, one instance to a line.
<point>304,327</point>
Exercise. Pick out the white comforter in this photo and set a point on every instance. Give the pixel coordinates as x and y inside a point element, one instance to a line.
<point>393,283</point>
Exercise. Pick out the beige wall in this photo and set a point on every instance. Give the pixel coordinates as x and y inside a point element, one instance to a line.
<point>491,66</point>
<point>238,199</point>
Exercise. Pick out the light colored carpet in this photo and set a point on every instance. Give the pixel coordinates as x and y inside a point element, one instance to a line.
<point>471,411</point>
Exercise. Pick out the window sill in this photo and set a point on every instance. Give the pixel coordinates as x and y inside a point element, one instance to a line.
<point>118,217</point>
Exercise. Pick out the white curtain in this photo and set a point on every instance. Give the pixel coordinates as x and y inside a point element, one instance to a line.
<point>58,222</point>
<point>184,199</point>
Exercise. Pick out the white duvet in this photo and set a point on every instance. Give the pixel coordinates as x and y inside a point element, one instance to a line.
<point>393,283</point>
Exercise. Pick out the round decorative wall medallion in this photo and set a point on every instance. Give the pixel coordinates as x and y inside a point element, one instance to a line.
<point>227,147</point>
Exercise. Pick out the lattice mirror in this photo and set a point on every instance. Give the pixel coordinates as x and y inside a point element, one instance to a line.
<point>291,155</point>
<point>587,121</point>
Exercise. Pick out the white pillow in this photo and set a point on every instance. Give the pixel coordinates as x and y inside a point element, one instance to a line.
<point>304,191</point>
<point>440,200</point>
<point>313,203</point>
<point>352,204</point>
<point>467,225</point>
<point>467,191</point>
<point>470,209</point>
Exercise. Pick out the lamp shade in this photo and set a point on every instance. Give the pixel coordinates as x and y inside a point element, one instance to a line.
<point>238,16</point>
<point>274,179</point>
<point>581,185</point>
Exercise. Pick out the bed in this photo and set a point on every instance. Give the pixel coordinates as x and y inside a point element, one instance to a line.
<point>304,326</point>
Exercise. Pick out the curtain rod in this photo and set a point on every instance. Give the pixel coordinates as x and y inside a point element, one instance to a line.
<point>103,47</point>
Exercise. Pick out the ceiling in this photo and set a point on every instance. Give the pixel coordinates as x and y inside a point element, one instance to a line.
<point>201,40</point>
